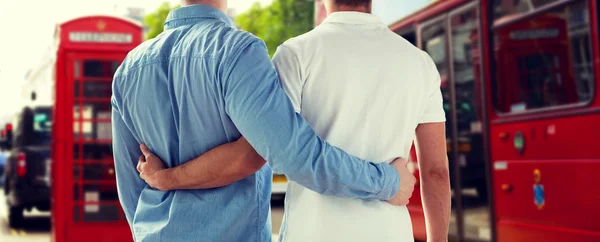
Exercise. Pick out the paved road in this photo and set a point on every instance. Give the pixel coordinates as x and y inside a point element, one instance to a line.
<point>37,224</point>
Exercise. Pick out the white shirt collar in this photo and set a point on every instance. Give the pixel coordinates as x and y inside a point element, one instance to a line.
<point>356,18</point>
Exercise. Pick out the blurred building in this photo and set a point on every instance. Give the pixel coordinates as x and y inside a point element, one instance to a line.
<point>38,88</point>
<point>137,14</point>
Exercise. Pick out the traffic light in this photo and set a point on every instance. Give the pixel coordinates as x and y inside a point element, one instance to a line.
<point>7,136</point>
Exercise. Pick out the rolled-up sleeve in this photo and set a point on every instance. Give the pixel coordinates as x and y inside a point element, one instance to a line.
<point>258,106</point>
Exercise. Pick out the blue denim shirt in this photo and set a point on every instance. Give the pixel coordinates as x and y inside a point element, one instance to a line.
<point>202,83</point>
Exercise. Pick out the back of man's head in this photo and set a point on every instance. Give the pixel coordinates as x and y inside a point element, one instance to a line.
<point>218,4</point>
<point>352,3</point>
<point>348,5</point>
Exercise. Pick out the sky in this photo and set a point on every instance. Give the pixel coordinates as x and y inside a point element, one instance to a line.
<point>392,10</point>
<point>27,31</point>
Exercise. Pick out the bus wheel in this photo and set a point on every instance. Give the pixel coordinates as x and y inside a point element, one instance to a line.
<point>15,216</point>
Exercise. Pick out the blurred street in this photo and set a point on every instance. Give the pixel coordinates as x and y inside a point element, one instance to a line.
<point>37,224</point>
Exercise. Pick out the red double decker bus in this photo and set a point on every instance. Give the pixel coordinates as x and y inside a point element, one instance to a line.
<point>520,81</point>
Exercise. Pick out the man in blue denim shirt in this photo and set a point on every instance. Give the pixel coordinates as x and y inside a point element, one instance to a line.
<point>200,84</point>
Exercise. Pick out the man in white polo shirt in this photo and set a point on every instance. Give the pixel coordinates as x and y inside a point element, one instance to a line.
<point>368,91</point>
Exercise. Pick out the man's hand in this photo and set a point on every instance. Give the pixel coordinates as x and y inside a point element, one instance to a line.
<point>407,183</point>
<point>151,169</point>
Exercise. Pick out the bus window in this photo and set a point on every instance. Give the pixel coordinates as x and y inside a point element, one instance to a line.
<point>544,61</point>
<point>509,7</point>
<point>408,34</point>
<point>434,43</point>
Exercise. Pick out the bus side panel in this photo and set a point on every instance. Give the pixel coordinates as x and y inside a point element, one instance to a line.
<point>563,136</point>
<point>418,221</point>
<point>511,231</point>
<point>567,193</point>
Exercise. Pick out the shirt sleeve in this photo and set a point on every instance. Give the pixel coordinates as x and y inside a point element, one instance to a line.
<point>126,151</point>
<point>288,68</point>
<point>434,109</point>
<point>264,115</point>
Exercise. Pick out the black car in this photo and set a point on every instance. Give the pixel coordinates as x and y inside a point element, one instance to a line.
<point>27,171</point>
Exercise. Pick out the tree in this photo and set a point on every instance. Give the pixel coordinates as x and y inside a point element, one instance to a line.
<point>155,21</point>
<point>274,23</point>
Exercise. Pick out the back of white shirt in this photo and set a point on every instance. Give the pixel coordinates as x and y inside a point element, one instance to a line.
<point>364,89</point>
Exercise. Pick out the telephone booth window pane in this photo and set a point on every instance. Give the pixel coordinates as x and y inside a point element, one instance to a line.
<point>97,151</point>
<point>100,192</point>
<point>93,110</point>
<point>95,171</point>
<point>103,131</point>
<point>76,88</point>
<point>77,69</point>
<point>76,152</point>
<point>83,129</point>
<point>76,214</point>
<point>99,68</point>
<point>77,111</point>
<point>97,89</point>
<point>100,212</point>
<point>91,130</point>
<point>93,89</point>
<point>77,189</point>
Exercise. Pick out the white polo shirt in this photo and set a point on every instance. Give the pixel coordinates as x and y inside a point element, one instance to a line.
<point>364,89</point>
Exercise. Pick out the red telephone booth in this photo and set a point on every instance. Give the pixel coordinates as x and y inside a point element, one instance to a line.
<point>85,205</point>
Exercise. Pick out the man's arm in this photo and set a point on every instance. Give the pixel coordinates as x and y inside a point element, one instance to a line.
<point>226,163</point>
<point>435,181</point>
<point>221,166</point>
<point>231,162</point>
<point>263,113</point>
<point>125,152</point>
<point>431,154</point>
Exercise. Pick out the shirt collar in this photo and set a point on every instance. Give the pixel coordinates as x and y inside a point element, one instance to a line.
<point>183,15</point>
<point>355,18</point>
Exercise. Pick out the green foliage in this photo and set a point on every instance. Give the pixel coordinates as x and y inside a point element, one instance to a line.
<point>155,21</point>
<point>274,23</point>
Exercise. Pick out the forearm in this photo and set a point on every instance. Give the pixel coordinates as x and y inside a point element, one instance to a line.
<point>435,179</point>
<point>293,148</point>
<point>435,195</point>
<point>221,166</point>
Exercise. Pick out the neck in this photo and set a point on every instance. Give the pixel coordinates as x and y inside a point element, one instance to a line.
<point>346,8</point>
<point>218,4</point>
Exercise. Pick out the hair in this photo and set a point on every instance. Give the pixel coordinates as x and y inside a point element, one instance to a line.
<point>353,3</point>
<point>197,1</point>
<point>220,4</point>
